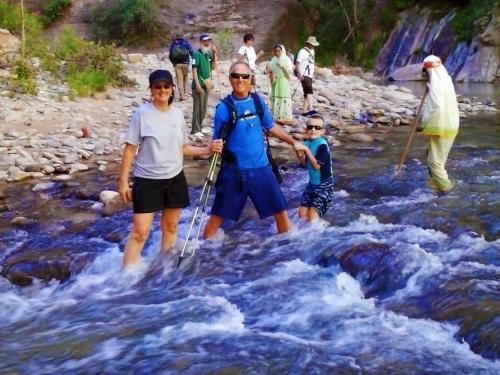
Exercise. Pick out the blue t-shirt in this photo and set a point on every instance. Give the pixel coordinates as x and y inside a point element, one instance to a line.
<point>319,148</point>
<point>246,140</point>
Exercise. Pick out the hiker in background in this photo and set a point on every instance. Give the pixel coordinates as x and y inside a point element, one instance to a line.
<point>157,131</point>
<point>315,155</point>
<point>280,71</point>
<point>304,69</point>
<point>440,120</point>
<point>204,61</point>
<point>246,53</point>
<point>245,169</point>
<point>179,54</point>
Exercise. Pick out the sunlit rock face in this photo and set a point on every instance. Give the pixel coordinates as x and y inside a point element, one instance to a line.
<point>418,35</point>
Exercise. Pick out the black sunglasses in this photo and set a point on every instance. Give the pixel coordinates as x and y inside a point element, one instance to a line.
<point>165,86</point>
<point>239,75</point>
<point>315,127</point>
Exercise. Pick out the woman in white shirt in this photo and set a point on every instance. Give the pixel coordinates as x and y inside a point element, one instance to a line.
<point>155,144</point>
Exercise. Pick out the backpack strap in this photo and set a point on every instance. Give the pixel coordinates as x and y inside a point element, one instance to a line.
<point>260,112</point>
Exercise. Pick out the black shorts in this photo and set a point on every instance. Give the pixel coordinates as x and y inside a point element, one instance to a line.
<point>149,195</point>
<point>307,85</point>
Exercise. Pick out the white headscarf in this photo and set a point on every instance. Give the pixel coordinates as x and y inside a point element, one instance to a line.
<point>440,113</point>
<point>283,60</point>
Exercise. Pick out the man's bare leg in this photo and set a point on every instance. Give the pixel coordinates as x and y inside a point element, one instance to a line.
<point>213,224</point>
<point>282,222</point>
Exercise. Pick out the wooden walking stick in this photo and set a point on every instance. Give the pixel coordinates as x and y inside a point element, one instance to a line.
<point>412,132</point>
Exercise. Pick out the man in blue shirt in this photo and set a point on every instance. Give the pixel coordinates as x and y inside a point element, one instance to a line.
<point>245,170</point>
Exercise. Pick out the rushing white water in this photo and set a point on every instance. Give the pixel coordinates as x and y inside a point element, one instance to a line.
<point>396,280</point>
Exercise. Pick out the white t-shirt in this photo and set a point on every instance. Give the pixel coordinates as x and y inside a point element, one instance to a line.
<point>306,60</point>
<point>160,137</point>
<point>249,53</point>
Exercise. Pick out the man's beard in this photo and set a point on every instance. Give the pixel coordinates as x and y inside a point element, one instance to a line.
<point>205,49</point>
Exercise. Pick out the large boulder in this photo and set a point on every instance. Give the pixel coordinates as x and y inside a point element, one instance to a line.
<point>9,48</point>
<point>412,72</point>
<point>22,269</point>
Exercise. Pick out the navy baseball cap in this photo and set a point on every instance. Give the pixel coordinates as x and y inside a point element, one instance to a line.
<point>205,37</point>
<point>161,75</point>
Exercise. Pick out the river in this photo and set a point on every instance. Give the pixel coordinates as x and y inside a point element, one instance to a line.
<point>396,280</point>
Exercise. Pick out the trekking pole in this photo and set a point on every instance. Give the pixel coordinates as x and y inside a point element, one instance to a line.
<point>210,182</point>
<point>298,84</point>
<point>218,77</point>
<point>412,132</point>
<point>213,163</point>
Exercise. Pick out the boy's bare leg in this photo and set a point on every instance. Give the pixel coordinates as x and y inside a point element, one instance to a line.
<point>303,212</point>
<point>313,214</point>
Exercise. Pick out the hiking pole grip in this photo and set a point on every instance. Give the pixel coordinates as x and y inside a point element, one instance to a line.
<point>412,133</point>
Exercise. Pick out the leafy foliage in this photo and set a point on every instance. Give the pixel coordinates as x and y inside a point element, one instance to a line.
<point>11,19</point>
<point>126,21</point>
<point>89,66</point>
<point>224,42</point>
<point>357,29</point>
<point>53,10</point>
<point>464,23</point>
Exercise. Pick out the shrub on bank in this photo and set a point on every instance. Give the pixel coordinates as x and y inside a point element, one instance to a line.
<point>86,66</point>
<point>126,21</point>
<point>53,10</point>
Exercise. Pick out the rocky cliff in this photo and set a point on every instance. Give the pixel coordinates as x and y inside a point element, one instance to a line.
<point>417,35</point>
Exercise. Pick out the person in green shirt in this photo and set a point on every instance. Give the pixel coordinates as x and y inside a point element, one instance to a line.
<point>204,61</point>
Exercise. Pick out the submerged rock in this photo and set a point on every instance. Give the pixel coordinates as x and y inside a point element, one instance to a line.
<point>22,269</point>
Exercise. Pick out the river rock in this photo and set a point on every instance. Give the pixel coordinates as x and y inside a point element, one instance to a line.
<point>9,49</point>
<point>377,268</point>
<point>78,167</point>
<point>43,186</point>
<point>22,268</point>
<point>112,202</point>
<point>360,137</point>
<point>70,158</point>
<point>19,175</point>
<point>412,72</point>
<point>135,58</point>
<point>22,221</point>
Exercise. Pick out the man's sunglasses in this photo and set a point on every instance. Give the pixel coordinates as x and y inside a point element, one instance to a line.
<point>239,75</point>
<point>315,127</point>
<point>159,87</point>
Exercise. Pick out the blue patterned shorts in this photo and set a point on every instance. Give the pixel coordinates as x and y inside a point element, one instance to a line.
<point>319,196</point>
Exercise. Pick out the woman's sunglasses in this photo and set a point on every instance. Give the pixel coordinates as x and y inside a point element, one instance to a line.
<point>159,87</point>
<point>239,75</point>
<point>315,127</point>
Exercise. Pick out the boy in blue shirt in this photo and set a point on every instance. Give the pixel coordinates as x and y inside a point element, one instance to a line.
<point>315,155</point>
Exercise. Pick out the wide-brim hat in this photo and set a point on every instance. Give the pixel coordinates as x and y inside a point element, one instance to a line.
<point>312,41</point>
<point>161,75</point>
